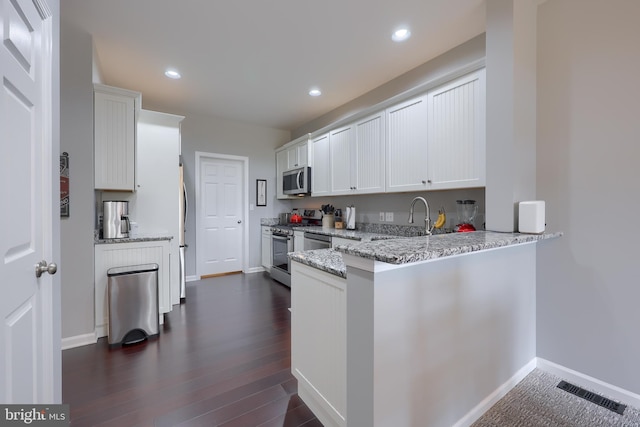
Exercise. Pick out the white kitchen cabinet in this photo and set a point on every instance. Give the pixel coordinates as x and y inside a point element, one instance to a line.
<point>293,155</point>
<point>368,163</point>
<point>298,240</point>
<point>456,133</point>
<point>321,170</point>
<point>297,155</point>
<point>357,157</point>
<point>115,138</point>
<point>342,147</point>
<point>266,247</point>
<point>406,152</point>
<point>318,341</point>
<point>111,255</point>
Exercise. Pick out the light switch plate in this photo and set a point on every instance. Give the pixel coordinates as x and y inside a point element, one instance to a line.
<point>381,216</point>
<point>389,217</point>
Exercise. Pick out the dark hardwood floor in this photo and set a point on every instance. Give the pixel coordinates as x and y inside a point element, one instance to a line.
<point>223,358</point>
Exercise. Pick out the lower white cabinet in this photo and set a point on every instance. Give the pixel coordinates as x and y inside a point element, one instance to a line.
<point>111,255</point>
<point>266,247</point>
<point>298,241</point>
<point>318,341</point>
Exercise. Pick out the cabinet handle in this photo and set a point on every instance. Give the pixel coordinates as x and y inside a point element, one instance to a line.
<point>424,182</point>
<point>429,181</point>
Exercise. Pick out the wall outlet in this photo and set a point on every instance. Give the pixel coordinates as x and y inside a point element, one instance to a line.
<point>389,217</point>
<point>381,216</point>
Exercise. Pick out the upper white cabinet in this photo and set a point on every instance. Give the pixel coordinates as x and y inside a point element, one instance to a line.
<point>293,155</point>
<point>407,145</point>
<point>357,157</point>
<point>297,155</point>
<point>342,144</point>
<point>456,133</point>
<point>320,172</point>
<point>115,138</point>
<point>369,159</point>
<point>433,141</point>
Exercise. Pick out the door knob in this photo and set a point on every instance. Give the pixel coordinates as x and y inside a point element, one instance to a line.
<point>42,267</point>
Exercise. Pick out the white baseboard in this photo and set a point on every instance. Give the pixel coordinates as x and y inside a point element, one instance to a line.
<point>191,278</point>
<point>585,381</point>
<point>254,270</point>
<point>79,340</point>
<point>473,415</point>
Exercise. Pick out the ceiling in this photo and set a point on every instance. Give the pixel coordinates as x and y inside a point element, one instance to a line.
<point>255,60</point>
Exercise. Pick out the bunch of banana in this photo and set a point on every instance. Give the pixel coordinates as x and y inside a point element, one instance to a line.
<point>442,218</point>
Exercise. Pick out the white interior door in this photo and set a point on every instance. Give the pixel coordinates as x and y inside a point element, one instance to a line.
<point>221,212</point>
<point>28,373</point>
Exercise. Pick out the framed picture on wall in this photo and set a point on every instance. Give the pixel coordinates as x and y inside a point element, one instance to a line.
<point>261,192</point>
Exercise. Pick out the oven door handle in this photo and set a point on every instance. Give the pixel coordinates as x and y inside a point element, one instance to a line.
<point>284,238</point>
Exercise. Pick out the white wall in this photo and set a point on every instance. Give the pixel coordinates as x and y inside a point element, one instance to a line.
<point>587,171</point>
<point>76,138</point>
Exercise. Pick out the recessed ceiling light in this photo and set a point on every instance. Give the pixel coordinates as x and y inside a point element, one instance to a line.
<point>172,74</point>
<point>401,34</point>
<point>315,92</point>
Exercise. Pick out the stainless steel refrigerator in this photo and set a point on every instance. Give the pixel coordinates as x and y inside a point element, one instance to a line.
<point>184,208</point>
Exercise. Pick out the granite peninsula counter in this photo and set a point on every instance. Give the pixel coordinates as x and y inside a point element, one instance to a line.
<point>424,328</point>
<point>399,250</point>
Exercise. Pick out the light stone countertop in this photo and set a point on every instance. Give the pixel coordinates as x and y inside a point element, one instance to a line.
<point>414,249</point>
<point>140,238</point>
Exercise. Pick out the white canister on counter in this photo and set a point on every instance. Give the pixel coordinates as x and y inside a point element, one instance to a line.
<point>531,217</point>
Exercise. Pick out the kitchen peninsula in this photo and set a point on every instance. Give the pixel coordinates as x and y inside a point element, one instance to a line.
<point>426,330</point>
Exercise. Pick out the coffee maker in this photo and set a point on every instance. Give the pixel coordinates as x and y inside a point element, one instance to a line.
<point>115,219</point>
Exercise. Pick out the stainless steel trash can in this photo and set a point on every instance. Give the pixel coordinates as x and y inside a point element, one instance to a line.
<point>133,303</point>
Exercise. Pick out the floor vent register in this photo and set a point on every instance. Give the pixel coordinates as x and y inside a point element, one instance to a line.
<point>592,397</point>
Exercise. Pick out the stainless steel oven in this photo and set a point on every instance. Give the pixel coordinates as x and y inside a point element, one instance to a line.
<point>281,245</point>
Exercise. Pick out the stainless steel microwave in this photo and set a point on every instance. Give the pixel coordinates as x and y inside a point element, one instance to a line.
<point>297,181</point>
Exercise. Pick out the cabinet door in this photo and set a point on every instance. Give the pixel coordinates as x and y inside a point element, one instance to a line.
<point>457,133</point>
<point>320,172</point>
<point>114,142</point>
<point>297,155</point>
<point>318,340</point>
<point>407,146</point>
<point>281,166</point>
<point>266,248</point>
<point>298,241</point>
<point>369,159</point>
<point>342,144</point>
<point>302,153</point>
<point>292,157</point>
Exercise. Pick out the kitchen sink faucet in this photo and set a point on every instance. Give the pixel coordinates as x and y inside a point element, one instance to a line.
<point>427,218</point>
